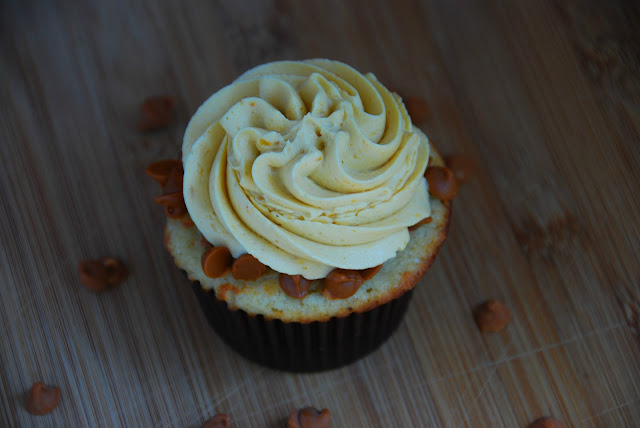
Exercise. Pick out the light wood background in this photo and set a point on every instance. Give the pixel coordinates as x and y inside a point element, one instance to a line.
<point>545,95</point>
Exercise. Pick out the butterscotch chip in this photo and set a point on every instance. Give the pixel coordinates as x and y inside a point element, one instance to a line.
<point>173,203</point>
<point>170,175</point>
<point>341,283</point>
<point>98,275</point>
<point>463,167</point>
<point>309,417</point>
<point>216,262</point>
<point>187,222</point>
<point>174,180</point>
<point>247,268</point>
<point>156,113</point>
<point>93,275</point>
<point>116,270</point>
<point>442,183</point>
<point>492,316</point>
<point>420,223</point>
<point>161,170</point>
<point>370,272</point>
<point>417,108</point>
<point>546,422</point>
<point>218,421</point>
<point>295,286</point>
<point>42,399</point>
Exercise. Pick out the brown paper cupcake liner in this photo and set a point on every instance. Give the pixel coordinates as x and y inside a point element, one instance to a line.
<point>299,347</point>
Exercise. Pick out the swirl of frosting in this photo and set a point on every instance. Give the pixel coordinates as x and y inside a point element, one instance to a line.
<point>308,166</point>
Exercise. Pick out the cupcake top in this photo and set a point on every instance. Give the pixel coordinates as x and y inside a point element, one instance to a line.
<point>308,166</point>
<point>265,296</point>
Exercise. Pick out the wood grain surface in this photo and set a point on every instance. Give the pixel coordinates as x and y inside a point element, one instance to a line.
<point>544,95</point>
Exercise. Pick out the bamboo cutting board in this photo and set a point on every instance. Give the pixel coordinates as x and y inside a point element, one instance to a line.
<point>544,95</point>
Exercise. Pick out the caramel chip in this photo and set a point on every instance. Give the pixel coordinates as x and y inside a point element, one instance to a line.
<point>173,183</point>
<point>341,283</point>
<point>173,203</point>
<point>247,268</point>
<point>116,271</point>
<point>187,222</point>
<point>161,170</point>
<point>93,274</point>
<point>370,272</point>
<point>309,417</point>
<point>463,167</point>
<point>421,222</point>
<point>169,174</point>
<point>295,286</point>
<point>546,422</point>
<point>216,262</point>
<point>42,399</point>
<point>98,275</point>
<point>442,182</point>
<point>156,113</point>
<point>417,108</point>
<point>218,421</point>
<point>492,316</point>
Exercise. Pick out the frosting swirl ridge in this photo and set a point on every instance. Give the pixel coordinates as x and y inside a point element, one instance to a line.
<point>308,166</point>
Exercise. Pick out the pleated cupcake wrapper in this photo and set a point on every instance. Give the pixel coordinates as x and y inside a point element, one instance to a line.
<point>299,347</point>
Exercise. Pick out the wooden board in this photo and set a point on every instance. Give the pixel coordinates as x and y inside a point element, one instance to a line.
<point>546,97</point>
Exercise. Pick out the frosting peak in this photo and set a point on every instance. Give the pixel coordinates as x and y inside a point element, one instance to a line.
<point>307,166</point>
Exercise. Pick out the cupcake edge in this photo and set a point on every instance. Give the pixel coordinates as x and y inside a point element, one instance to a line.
<point>234,292</point>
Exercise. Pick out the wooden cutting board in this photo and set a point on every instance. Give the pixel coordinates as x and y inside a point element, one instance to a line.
<point>544,95</point>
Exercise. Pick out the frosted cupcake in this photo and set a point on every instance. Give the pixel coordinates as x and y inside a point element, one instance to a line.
<point>308,219</point>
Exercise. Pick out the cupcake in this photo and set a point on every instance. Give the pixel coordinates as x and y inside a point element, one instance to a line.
<point>303,219</point>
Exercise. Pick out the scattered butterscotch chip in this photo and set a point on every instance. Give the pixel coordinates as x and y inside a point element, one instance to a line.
<point>309,417</point>
<point>295,286</point>
<point>442,183</point>
<point>173,203</point>
<point>421,222</point>
<point>370,272</point>
<point>93,274</point>
<point>341,283</point>
<point>161,170</point>
<point>218,421</point>
<point>42,399</point>
<point>247,268</point>
<point>98,275</point>
<point>116,270</point>
<point>546,422</point>
<point>216,262</point>
<point>492,316</point>
<point>169,174</point>
<point>463,167</point>
<point>156,113</point>
<point>417,108</point>
<point>174,180</point>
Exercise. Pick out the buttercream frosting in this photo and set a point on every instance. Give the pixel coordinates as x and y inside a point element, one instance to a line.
<point>308,166</point>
